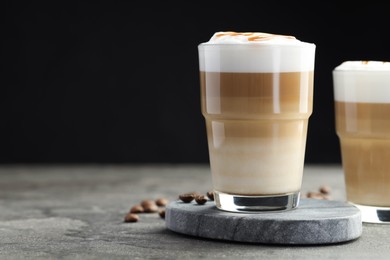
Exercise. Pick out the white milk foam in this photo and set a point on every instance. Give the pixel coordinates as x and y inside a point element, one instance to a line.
<point>255,52</point>
<point>362,81</point>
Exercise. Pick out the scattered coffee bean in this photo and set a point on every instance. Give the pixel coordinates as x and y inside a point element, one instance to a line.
<point>161,213</point>
<point>187,197</point>
<point>158,205</point>
<point>317,195</point>
<point>325,189</point>
<point>201,199</point>
<point>323,193</point>
<point>137,209</point>
<point>149,206</point>
<point>147,203</point>
<point>131,217</point>
<point>161,202</point>
<point>152,208</point>
<point>210,195</point>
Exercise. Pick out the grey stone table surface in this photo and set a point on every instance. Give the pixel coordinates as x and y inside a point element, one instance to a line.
<point>77,212</point>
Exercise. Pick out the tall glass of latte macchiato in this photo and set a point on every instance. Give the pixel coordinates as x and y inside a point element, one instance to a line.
<point>256,97</point>
<point>362,112</point>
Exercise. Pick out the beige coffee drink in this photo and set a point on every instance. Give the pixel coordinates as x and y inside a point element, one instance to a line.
<point>362,107</point>
<point>256,97</point>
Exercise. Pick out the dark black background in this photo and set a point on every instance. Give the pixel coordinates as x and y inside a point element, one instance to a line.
<point>117,82</point>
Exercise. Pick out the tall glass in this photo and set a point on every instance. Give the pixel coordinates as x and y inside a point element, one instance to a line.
<point>362,111</point>
<point>256,97</point>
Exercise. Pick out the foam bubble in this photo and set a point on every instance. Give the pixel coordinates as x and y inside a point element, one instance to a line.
<point>362,81</point>
<point>255,52</point>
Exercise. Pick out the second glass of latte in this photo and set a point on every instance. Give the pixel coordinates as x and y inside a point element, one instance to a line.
<point>362,111</point>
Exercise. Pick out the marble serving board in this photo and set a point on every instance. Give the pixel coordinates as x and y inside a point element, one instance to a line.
<point>313,222</point>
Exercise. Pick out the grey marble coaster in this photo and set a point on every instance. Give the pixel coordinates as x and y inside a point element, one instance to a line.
<point>313,222</point>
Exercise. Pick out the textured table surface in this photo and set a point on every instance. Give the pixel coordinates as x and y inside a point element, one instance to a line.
<point>76,212</point>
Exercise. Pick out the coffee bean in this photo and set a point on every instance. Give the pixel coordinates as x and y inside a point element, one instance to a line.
<point>147,203</point>
<point>317,195</point>
<point>152,208</point>
<point>210,195</point>
<point>149,206</point>
<point>161,213</point>
<point>131,217</point>
<point>187,197</point>
<point>325,189</point>
<point>161,202</point>
<point>201,199</point>
<point>137,209</point>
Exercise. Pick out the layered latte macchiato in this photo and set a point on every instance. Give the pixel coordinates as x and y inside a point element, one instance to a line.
<point>256,97</point>
<point>362,106</point>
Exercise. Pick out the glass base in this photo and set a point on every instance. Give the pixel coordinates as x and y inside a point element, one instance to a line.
<point>256,204</point>
<point>372,214</point>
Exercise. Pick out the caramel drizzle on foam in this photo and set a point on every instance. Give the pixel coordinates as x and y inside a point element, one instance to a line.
<point>254,37</point>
